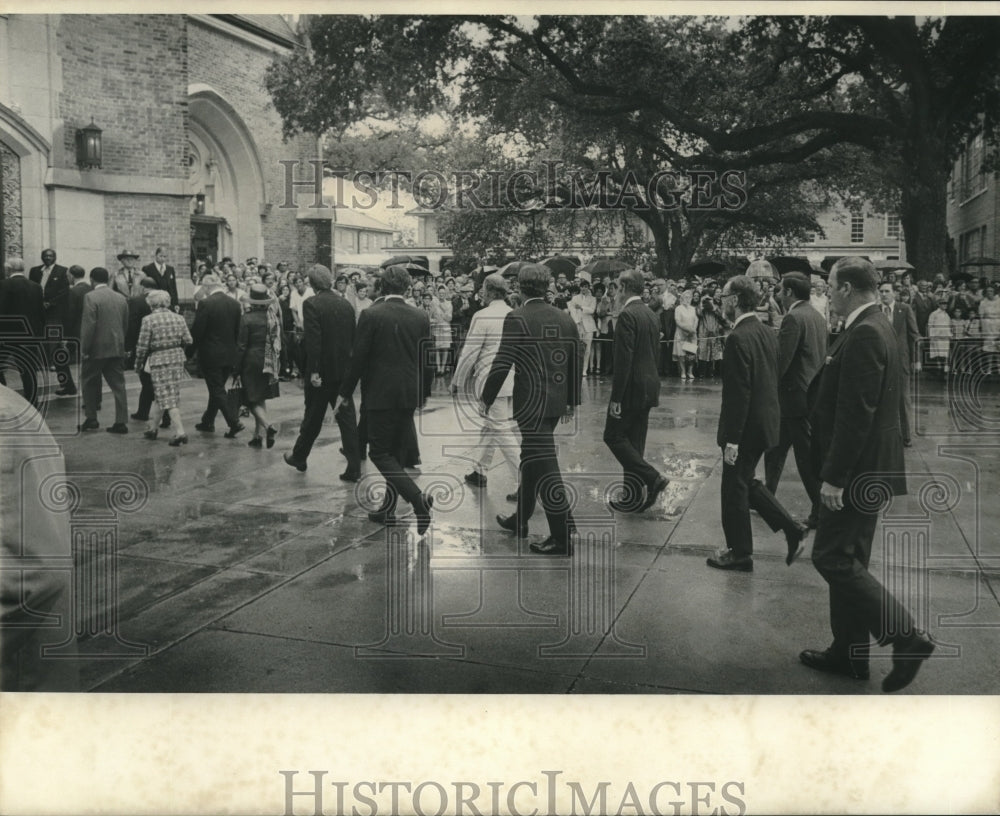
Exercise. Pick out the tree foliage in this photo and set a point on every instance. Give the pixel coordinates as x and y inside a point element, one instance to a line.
<point>806,106</point>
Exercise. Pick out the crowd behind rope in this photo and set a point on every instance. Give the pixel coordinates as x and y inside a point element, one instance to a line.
<point>959,320</point>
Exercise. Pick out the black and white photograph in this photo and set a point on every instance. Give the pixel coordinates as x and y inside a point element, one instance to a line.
<point>567,361</point>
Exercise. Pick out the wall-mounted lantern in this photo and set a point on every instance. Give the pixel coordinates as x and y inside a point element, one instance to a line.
<point>199,204</point>
<point>88,146</point>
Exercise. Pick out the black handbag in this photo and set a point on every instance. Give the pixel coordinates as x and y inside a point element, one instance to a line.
<point>235,397</point>
<point>193,367</point>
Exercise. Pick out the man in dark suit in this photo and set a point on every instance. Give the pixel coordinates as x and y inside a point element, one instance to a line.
<point>749,424</point>
<point>857,444</point>
<point>635,389</point>
<point>22,323</point>
<point>214,335</point>
<point>55,284</point>
<point>74,306</point>
<point>801,352</point>
<point>164,276</point>
<point>102,343</point>
<point>327,340</point>
<point>391,358</point>
<point>543,345</point>
<point>904,324</point>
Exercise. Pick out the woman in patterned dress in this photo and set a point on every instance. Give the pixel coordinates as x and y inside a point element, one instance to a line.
<point>163,337</point>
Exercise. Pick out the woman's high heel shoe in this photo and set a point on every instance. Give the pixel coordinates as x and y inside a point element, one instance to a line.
<point>150,434</point>
<point>271,433</point>
<point>255,442</point>
<point>178,440</point>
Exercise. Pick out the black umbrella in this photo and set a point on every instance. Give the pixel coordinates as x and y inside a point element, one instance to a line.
<point>511,269</point>
<point>707,266</point>
<point>403,260</point>
<point>603,265</point>
<point>981,261</point>
<point>828,262</point>
<point>889,264</point>
<point>792,263</point>
<point>566,264</point>
<point>961,277</point>
<point>415,270</point>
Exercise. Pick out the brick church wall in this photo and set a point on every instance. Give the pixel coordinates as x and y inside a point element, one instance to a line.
<point>129,72</point>
<point>235,69</point>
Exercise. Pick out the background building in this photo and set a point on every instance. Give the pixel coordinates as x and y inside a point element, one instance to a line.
<point>974,208</point>
<point>190,144</point>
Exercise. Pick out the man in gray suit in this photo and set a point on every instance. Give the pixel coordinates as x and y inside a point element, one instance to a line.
<point>102,343</point>
<point>801,352</point>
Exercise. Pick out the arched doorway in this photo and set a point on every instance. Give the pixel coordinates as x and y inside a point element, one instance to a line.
<point>225,180</point>
<point>24,156</point>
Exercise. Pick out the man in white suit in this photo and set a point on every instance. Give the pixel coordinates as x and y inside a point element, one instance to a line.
<point>481,346</point>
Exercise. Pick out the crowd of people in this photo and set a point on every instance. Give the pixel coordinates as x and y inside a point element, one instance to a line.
<point>520,350</point>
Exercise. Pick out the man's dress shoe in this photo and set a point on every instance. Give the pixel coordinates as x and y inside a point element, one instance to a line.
<point>729,560</point>
<point>654,492</point>
<point>793,538</point>
<point>423,511</point>
<point>551,547</point>
<point>509,523</point>
<point>827,661</point>
<point>299,466</point>
<point>906,661</point>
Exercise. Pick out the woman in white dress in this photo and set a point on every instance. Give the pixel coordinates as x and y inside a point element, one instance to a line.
<point>685,335</point>
<point>582,308</point>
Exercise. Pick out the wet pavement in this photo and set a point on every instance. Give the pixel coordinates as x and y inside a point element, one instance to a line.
<point>236,573</point>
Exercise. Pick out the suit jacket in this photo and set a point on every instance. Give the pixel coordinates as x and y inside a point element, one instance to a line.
<point>391,357</point>
<point>74,308</point>
<point>216,330</point>
<point>480,350</point>
<point>104,324</point>
<point>167,281</point>
<point>801,352</point>
<point>328,337</point>
<point>923,307</point>
<point>543,345</point>
<point>55,292</point>
<point>636,353</point>
<point>21,300</point>
<point>855,419</point>
<point>750,412</point>
<point>138,308</point>
<point>904,324</point>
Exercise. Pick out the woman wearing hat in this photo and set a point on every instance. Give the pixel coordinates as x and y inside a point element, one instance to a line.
<point>258,356</point>
<point>163,336</point>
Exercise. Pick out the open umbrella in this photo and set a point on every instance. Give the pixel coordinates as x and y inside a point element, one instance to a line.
<point>762,270</point>
<point>415,270</point>
<point>891,264</point>
<point>828,262</point>
<point>402,260</point>
<point>981,261</point>
<point>511,269</point>
<point>961,277</point>
<point>566,264</point>
<point>707,266</point>
<point>791,263</point>
<point>603,265</point>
